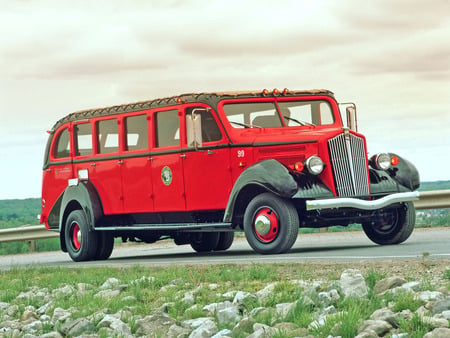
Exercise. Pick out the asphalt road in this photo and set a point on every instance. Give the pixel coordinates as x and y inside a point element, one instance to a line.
<point>325,247</point>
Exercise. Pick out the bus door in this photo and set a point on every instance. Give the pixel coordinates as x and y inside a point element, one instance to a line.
<point>106,165</point>
<point>136,167</point>
<point>206,165</point>
<point>166,163</point>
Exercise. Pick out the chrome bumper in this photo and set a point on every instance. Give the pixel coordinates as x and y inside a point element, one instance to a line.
<point>345,202</point>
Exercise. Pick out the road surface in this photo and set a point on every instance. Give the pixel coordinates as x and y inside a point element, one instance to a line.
<point>319,247</point>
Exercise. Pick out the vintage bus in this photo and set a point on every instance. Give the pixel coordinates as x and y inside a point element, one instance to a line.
<point>196,168</point>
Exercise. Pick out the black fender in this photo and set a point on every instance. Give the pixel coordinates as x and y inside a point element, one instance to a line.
<point>267,175</point>
<point>400,178</point>
<point>82,196</point>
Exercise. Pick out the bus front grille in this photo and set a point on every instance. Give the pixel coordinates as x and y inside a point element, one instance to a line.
<point>348,161</point>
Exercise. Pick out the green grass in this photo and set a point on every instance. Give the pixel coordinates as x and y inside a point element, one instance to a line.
<point>151,293</point>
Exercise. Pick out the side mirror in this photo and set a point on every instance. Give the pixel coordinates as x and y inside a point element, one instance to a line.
<point>194,130</point>
<point>352,121</point>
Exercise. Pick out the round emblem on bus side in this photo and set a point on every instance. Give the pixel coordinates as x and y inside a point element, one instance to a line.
<point>166,175</point>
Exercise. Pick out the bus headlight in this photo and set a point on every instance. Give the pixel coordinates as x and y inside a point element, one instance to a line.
<point>382,161</point>
<point>314,165</point>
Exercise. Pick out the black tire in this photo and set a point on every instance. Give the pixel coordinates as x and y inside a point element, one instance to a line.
<point>105,245</point>
<point>81,243</point>
<point>271,224</point>
<point>225,241</point>
<point>207,241</point>
<point>394,228</point>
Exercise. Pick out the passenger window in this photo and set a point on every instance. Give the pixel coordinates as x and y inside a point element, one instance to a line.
<point>210,129</point>
<point>108,136</point>
<point>83,139</point>
<point>62,148</point>
<point>167,128</point>
<point>136,131</point>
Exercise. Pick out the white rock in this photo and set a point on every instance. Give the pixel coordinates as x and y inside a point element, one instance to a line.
<point>110,283</point>
<point>228,316</point>
<point>411,286</point>
<point>284,308</point>
<point>242,296</point>
<point>215,307</point>
<point>206,330</point>
<point>426,296</point>
<point>223,333</point>
<point>266,292</point>
<point>32,327</point>
<point>60,315</point>
<point>188,298</point>
<point>353,284</point>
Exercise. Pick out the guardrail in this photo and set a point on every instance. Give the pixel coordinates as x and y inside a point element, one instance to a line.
<point>436,199</point>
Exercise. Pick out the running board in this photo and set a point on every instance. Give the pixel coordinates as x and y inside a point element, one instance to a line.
<point>171,226</point>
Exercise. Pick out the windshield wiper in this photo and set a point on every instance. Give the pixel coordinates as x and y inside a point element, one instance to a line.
<point>245,125</point>
<point>302,123</point>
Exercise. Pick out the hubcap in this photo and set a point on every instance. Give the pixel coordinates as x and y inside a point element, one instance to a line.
<point>266,225</point>
<point>76,236</point>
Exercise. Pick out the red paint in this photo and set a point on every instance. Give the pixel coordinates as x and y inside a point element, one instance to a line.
<point>177,177</point>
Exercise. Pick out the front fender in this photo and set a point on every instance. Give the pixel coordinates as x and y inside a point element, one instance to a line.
<point>85,196</point>
<point>268,175</point>
<point>400,178</point>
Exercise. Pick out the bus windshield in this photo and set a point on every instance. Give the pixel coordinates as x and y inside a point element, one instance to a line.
<point>269,114</point>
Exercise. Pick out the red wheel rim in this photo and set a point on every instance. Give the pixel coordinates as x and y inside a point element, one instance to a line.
<point>76,236</point>
<point>265,225</point>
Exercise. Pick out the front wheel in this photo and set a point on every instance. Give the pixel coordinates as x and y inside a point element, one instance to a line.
<point>270,224</point>
<point>394,227</point>
<point>80,242</point>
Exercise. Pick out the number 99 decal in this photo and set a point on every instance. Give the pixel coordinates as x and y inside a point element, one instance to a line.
<point>241,153</point>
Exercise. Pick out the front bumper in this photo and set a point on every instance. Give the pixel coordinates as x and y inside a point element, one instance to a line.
<point>334,203</point>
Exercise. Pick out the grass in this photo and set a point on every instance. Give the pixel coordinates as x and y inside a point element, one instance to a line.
<point>151,288</point>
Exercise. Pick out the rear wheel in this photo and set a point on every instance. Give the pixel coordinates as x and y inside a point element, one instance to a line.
<point>394,227</point>
<point>225,241</point>
<point>105,245</point>
<point>271,224</point>
<point>81,243</point>
<point>206,241</point>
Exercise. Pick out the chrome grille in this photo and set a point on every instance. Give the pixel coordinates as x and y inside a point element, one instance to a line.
<point>348,161</point>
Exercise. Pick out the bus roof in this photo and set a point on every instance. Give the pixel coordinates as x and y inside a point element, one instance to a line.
<point>208,98</point>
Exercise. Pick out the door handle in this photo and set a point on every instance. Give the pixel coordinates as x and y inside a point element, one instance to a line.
<point>210,152</point>
<point>183,155</point>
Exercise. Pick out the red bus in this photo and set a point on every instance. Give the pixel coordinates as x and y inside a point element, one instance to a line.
<point>198,167</point>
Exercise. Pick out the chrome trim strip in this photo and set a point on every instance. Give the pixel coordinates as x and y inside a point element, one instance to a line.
<point>168,226</point>
<point>334,203</point>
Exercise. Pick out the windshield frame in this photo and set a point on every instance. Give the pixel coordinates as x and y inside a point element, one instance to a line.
<point>334,113</point>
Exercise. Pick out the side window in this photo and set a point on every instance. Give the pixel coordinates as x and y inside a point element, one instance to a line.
<point>136,132</point>
<point>210,129</point>
<point>83,139</point>
<point>167,129</point>
<point>62,145</point>
<point>108,136</point>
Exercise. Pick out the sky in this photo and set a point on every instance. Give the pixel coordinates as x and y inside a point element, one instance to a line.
<point>392,58</point>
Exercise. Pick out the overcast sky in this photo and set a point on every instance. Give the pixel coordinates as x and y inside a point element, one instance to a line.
<point>390,57</point>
